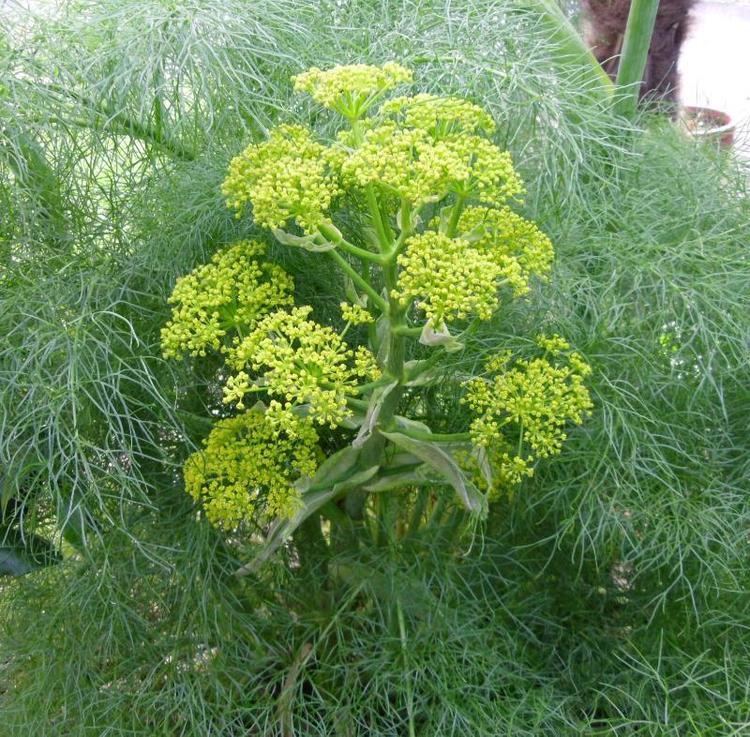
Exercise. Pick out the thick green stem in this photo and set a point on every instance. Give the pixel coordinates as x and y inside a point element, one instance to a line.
<point>638,33</point>
<point>360,252</point>
<point>385,236</point>
<point>332,235</point>
<point>408,332</point>
<point>381,227</point>
<point>372,450</point>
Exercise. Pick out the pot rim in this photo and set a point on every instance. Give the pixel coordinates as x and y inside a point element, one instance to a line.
<point>726,127</point>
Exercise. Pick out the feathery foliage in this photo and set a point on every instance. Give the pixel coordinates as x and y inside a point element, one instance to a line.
<point>606,598</point>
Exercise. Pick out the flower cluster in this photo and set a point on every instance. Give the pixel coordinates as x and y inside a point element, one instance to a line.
<point>517,246</point>
<point>400,160</point>
<point>493,178</point>
<point>300,362</point>
<point>288,177</point>
<point>350,88</point>
<point>247,469</point>
<point>355,314</point>
<point>230,292</point>
<point>449,279</point>
<point>526,405</point>
<point>440,116</point>
<point>412,163</point>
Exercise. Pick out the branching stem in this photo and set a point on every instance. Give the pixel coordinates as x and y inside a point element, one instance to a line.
<point>358,280</point>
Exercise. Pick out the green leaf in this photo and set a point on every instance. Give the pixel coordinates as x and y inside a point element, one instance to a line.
<point>353,295</point>
<point>408,220</point>
<point>355,480</point>
<point>440,458</point>
<point>382,328</point>
<point>416,475</point>
<point>485,467</point>
<point>333,469</point>
<point>404,423</point>
<point>421,373</point>
<point>312,501</point>
<point>282,530</point>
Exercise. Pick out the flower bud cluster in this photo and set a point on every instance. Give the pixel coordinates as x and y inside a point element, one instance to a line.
<point>229,293</point>
<point>516,245</point>
<point>411,163</point>
<point>439,116</point>
<point>355,314</point>
<point>288,177</point>
<point>526,405</point>
<point>448,278</point>
<point>300,362</point>
<point>345,88</point>
<point>247,468</point>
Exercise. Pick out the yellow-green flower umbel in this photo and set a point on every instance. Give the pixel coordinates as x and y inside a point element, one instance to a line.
<point>440,116</point>
<point>289,177</point>
<point>353,88</point>
<point>300,362</point>
<point>226,295</point>
<point>448,278</point>
<point>515,244</point>
<point>247,469</point>
<point>355,314</point>
<point>414,164</point>
<point>526,405</point>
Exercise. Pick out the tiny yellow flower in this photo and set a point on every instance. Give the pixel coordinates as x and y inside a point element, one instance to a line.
<point>522,408</point>
<point>355,314</point>
<point>439,116</point>
<point>350,88</point>
<point>300,362</point>
<point>517,245</point>
<point>412,163</point>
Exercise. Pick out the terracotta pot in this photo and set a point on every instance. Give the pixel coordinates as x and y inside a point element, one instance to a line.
<point>708,124</point>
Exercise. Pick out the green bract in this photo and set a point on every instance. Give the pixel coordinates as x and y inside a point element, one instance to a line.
<point>425,244</point>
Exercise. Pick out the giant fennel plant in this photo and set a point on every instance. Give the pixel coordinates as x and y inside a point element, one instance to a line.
<point>412,204</point>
